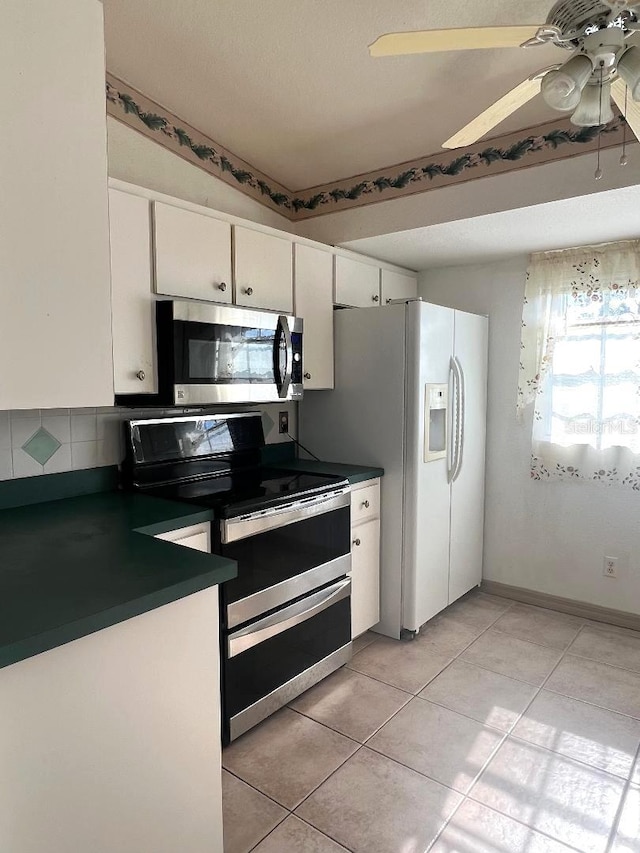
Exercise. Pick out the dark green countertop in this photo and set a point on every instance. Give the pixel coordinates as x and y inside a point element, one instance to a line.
<point>353,473</point>
<point>74,566</point>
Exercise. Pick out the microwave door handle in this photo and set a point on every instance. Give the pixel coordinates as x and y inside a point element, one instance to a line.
<point>284,383</point>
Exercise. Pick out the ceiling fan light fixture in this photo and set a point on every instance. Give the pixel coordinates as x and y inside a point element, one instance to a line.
<point>594,108</point>
<point>559,87</point>
<point>629,70</point>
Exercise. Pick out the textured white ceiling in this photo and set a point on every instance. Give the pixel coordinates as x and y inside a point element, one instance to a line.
<point>597,218</point>
<point>289,85</point>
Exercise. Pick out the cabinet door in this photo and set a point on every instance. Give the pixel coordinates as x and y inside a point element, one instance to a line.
<point>263,270</point>
<point>365,576</point>
<point>313,290</point>
<point>193,254</point>
<point>134,367</point>
<point>357,283</point>
<point>397,285</point>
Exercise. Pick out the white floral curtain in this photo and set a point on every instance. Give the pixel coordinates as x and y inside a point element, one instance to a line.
<point>580,363</point>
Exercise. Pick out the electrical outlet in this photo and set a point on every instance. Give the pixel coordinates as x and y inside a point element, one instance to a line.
<point>283,422</point>
<point>610,567</point>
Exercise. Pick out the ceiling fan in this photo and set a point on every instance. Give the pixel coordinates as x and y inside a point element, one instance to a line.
<point>602,65</point>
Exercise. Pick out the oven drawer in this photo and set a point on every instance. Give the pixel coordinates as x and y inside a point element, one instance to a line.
<point>274,659</point>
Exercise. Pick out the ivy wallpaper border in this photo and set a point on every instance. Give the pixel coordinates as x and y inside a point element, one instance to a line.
<point>535,146</point>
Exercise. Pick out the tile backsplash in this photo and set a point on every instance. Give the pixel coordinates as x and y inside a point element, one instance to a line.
<point>47,441</point>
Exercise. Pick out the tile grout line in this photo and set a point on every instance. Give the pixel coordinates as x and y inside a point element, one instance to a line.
<point>502,742</point>
<point>412,695</point>
<point>616,821</point>
<point>540,689</point>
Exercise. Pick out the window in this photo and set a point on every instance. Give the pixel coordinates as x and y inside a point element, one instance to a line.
<point>580,368</point>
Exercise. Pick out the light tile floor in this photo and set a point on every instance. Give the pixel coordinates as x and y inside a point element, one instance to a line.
<point>501,728</point>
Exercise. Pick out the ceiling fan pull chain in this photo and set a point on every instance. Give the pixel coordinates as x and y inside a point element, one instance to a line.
<point>623,157</point>
<point>598,173</point>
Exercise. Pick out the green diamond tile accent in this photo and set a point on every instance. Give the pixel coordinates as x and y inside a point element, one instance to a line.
<point>41,446</point>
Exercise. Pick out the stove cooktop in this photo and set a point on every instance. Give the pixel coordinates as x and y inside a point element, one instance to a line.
<point>247,491</point>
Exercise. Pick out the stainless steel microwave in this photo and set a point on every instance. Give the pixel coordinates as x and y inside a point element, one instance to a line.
<point>222,354</point>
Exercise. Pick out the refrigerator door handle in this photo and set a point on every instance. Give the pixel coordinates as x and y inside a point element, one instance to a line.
<point>455,416</point>
<point>460,416</point>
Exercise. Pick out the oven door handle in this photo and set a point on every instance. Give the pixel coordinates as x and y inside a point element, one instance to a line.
<point>286,618</point>
<point>240,527</point>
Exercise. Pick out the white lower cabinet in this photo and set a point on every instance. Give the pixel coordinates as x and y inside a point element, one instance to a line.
<point>365,556</point>
<point>197,536</point>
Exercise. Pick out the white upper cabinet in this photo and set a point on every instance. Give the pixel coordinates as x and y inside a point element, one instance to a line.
<point>55,313</point>
<point>263,266</point>
<point>192,253</point>
<point>313,290</point>
<point>357,283</point>
<point>134,367</point>
<point>397,285</point>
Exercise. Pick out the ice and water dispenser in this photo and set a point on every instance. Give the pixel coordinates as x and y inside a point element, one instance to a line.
<point>435,421</point>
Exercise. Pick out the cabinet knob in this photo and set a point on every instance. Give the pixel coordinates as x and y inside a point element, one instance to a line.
<point>365,504</point>
<point>376,298</point>
<point>388,301</point>
<point>248,291</point>
<point>356,542</point>
<point>307,376</point>
<point>141,375</point>
<point>222,286</point>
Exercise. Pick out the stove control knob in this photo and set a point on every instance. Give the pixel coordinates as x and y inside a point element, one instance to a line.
<point>356,542</point>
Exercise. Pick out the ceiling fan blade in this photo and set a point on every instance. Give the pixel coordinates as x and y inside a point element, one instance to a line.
<point>468,38</point>
<point>632,112</point>
<point>496,113</point>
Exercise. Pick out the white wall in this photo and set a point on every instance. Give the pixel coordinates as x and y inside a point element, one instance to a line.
<point>139,160</point>
<point>545,536</point>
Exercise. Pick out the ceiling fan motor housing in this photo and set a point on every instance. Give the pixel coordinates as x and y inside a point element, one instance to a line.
<point>578,18</point>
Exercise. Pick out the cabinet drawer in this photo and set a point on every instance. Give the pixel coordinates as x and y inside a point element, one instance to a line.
<point>365,503</point>
<point>197,536</point>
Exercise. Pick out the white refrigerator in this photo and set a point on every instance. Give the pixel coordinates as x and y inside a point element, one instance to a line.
<point>410,397</point>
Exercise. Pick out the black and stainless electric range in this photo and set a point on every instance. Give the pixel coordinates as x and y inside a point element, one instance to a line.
<point>286,618</point>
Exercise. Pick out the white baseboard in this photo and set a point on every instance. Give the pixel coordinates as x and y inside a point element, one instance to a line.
<point>565,605</point>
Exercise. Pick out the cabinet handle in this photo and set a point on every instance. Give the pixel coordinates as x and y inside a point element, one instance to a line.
<point>141,375</point>
<point>365,504</point>
<point>376,298</point>
<point>222,286</point>
<point>356,542</point>
<point>307,376</point>
<point>248,291</point>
